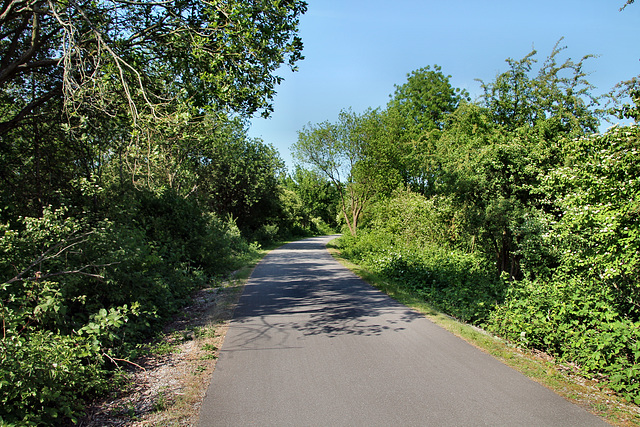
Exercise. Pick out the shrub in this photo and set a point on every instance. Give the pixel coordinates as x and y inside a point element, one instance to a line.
<point>76,292</point>
<point>576,321</point>
<point>45,376</point>
<point>463,285</point>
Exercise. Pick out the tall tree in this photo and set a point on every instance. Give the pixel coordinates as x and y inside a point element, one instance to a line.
<point>238,176</point>
<point>494,156</point>
<point>122,84</point>
<point>418,107</point>
<point>426,99</point>
<point>556,101</point>
<point>317,194</point>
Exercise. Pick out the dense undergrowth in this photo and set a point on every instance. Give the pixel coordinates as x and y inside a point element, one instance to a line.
<point>79,294</point>
<point>460,284</point>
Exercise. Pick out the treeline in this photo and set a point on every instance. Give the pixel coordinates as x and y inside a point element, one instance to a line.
<point>127,179</point>
<point>509,212</point>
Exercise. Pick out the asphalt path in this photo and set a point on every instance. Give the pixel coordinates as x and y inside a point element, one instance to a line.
<point>313,345</point>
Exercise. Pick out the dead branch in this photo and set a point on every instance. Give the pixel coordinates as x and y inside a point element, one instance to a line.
<point>115,361</point>
<point>52,253</point>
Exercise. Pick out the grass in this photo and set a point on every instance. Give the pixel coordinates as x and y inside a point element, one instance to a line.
<point>540,367</point>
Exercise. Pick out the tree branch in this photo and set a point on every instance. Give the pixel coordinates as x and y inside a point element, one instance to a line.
<point>6,126</point>
<point>114,359</point>
<point>46,255</point>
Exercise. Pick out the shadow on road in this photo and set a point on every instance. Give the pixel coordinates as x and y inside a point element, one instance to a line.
<point>300,287</point>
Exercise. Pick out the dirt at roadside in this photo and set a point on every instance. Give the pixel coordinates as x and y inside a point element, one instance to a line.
<point>168,389</point>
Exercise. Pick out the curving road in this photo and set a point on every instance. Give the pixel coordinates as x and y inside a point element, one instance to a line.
<point>313,345</point>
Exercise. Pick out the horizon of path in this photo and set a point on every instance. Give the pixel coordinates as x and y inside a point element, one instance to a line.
<point>311,344</point>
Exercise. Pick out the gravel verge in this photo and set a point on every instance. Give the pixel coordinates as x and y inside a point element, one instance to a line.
<point>167,386</point>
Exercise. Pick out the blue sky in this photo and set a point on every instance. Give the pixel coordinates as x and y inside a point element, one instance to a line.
<point>356,50</point>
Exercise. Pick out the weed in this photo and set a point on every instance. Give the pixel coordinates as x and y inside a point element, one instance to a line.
<point>160,403</point>
<point>200,369</point>
<point>209,347</point>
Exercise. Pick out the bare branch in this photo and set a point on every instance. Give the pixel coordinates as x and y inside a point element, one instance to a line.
<point>114,360</point>
<point>10,124</point>
<point>46,255</point>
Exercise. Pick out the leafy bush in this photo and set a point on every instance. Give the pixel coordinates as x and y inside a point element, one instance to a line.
<point>462,285</point>
<point>413,218</point>
<point>575,321</point>
<point>586,309</point>
<point>76,292</point>
<point>45,376</point>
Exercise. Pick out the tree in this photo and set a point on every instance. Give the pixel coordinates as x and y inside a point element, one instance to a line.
<point>122,149</point>
<point>418,107</point>
<point>208,54</point>
<point>318,196</point>
<point>556,101</point>
<point>121,86</point>
<point>426,99</point>
<point>239,177</point>
<point>232,174</point>
<point>337,151</point>
<point>491,158</point>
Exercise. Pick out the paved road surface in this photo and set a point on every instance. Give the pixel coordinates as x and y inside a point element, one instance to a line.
<point>313,345</point>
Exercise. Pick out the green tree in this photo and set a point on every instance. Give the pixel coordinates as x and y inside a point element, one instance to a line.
<point>426,99</point>
<point>555,102</point>
<point>209,54</point>
<point>418,107</point>
<point>120,87</point>
<point>337,151</point>
<point>490,158</point>
<point>239,177</point>
<point>590,299</point>
<point>121,110</point>
<point>318,196</point>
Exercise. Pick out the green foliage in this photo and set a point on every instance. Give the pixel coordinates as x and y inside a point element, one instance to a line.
<point>489,159</point>
<point>316,196</point>
<point>76,291</point>
<point>211,56</point>
<point>598,194</point>
<point>460,284</point>
<point>625,98</point>
<point>339,151</point>
<point>426,99</point>
<point>586,309</point>
<point>412,240</point>
<point>46,367</point>
<point>45,377</point>
<point>576,321</point>
<point>556,100</point>
<point>415,219</point>
<point>514,215</point>
<point>239,177</point>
